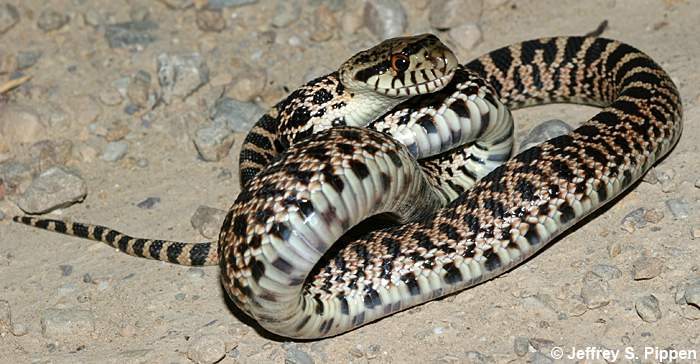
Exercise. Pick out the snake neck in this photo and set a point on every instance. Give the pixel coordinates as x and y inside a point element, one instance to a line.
<point>365,106</point>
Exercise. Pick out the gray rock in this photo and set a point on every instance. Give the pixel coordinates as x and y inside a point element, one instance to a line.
<point>210,20</point>
<point>475,357</point>
<point>539,358</point>
<point>115,151</point>
<point>50,20</point>
<point>544,131</point>
<point>238,116</point>
<point>648,308</point>
<point>606,272</point>
<point>15,174</point>
<point>180,296</point>
<point>121,35</point>
<point>521,345</point>
<point>206,349</point>
<point>646,268</point>
<point>9,17</point>
<point>139,90</point>
<point>66,269</point>
<point>466,36</point>
<point>19,329</point>
<point>195,273</point>
<point>58,323</point>
<point>21,124</point>
<point>93,18</point>
<point>446,14</point>
<point>208,220</point>
<point>111,97</point>
<point>286,12</point>
<point>180,75</point>
<point>665,176</point>
<point>55,188</point>
<point>296,356</point>
<point>148,203</point>
<point>634,220</point>
<point>595,293</point>
<point>213,141</point>
<point>385,18</point>
<point>679,208</point>
<point>27,59</point>
<point>220,4</point>
<point>692,294</point>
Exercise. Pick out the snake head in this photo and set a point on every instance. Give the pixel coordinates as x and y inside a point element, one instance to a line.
<point>401,67</point>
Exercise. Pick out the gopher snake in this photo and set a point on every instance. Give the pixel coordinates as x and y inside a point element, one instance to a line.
<point>310,173</point>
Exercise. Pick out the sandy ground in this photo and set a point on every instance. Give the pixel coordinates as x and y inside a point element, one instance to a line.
<point>152,312</point>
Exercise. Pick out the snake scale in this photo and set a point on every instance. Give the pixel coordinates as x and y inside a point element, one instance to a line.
<point>320,162</point>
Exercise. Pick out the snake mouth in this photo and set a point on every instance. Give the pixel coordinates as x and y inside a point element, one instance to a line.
<point>433,84</point>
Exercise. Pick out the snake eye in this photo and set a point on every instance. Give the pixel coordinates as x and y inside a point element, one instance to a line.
<point>399,62</point>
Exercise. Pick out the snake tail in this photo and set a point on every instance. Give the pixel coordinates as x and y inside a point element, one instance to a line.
<point>194,254</point>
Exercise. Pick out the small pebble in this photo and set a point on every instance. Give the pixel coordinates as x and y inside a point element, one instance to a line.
<point>180,75</point>
<point>111,97</point>
<point>19,329</point>
<point>606,272</point>
<point>180,296</point>
<point>58,323</point>
<point>54,188</point>
<point>27,59</point>
<point>692,294</point>
<point>595,293</point>
<point>207,220</point>
<point>695,233</point>
<point>67,289</point>
<point>539,358</point>
<point>614,249</point>
<point>476,357</point>
<point>466,36</point>
<point>238,116</point>
<point>9,17</point>
<point>634,220</point>
<point>21,124</point>
<point>646,268</point>
<point>678,207</point>
<point>206,349</point>
<point>50,20</point>
<point>446,14</point>
<point>648,308</point>
<point>66,269</point>
<point>213,141</point>
<point>385,18</point>
<point>296,356</point>
<point>92,18</point>
<point>122,35</point>
<point>148,203</point>
<point>666,176</point>
<point>697,183</point>
<point>195,273</point>
<point>324,24</point>
<point>286,12</point>
<point>247,85</point>
<point>139,90</point>
<point>114,151</point>
<point>521,345</point>
<point>210,20</point>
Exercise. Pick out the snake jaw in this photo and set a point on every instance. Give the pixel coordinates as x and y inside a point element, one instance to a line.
<point>426,65</point>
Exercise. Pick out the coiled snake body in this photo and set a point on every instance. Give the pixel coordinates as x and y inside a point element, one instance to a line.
<point>311,171</point>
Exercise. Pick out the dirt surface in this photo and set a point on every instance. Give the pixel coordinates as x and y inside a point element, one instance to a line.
<point>71,300</point>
